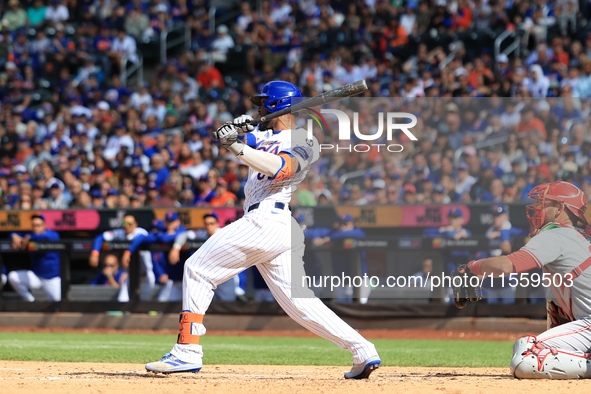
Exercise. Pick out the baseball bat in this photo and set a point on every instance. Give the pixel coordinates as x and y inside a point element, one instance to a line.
<point>348,90</point>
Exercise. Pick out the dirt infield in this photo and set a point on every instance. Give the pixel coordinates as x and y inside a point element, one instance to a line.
<point>40,377</point>
<point>51,377</point>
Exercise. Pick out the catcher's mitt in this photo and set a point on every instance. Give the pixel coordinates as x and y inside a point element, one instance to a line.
<point>465,285</point>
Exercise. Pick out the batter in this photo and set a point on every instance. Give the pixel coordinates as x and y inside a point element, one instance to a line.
<point>267,236</point>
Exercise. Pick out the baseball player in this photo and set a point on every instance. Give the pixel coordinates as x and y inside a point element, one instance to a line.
<point>112,274</point>
<point>501,230</point>
<point>224,291</point>
<point>45,267</point>
<point>560,245</point>
<point>346,260</point>
<point>266,236</point>
<point>3,277</point>
<point>129,232</point>
<point>172,272</point>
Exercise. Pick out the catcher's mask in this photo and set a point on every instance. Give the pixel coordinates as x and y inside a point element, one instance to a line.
<point>572,198</point>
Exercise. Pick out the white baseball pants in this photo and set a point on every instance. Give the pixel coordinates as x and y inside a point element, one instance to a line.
<point>24,280</point>
<point>272,240</point>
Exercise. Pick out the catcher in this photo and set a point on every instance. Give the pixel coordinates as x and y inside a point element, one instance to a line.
<point>560,245</point>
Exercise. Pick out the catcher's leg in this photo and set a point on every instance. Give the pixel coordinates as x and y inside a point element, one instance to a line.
<point>559,353</point>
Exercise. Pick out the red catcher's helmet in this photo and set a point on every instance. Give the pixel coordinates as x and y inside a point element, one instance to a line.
<point>563,192</point>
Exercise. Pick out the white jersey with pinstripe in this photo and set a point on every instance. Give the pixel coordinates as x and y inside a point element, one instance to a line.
<point>271,239</point>
<point>259,187</point>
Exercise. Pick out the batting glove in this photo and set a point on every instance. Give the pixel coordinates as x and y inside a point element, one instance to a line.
<point>227,134</point>
<point>465,285</point>
<point>244,124</point>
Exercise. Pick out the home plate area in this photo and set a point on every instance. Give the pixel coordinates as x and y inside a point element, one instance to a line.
<point>45,377</point>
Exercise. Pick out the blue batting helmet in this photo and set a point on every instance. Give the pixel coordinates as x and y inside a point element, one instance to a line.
<point>279,95</point>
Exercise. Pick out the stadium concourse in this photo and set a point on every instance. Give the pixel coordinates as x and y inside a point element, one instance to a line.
<point>75,134</point>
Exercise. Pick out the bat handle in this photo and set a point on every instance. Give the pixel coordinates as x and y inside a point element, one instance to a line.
<point>258,121</point>
<point>253,122</point>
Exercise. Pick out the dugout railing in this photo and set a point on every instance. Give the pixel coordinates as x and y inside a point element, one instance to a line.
<point>403,247</point>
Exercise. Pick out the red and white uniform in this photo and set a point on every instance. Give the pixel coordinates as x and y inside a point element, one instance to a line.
<point>563,351</point>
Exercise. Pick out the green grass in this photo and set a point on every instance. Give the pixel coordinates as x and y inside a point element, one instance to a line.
<point>126,348</point>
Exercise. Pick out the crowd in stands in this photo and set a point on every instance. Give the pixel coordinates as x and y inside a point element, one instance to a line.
<point>74,135</point>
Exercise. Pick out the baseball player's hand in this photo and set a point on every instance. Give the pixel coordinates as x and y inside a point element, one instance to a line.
<point>461,234</point>
<point>174,255</point>
<point>466,288</point>
<point>25,242</point>
<point>93,261</point>
<point>244,124</point>
<point>494,234</point>
<point>17,241</point>
<point>163,279</point>
<point>125,259</point>
<point>227,134</point>
<point>320,241</point>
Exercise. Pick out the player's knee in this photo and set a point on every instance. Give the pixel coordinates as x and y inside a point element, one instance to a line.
<point>549,363</point>
<point>521,348</point>
<point>13,277</point>
<point>525,366</point>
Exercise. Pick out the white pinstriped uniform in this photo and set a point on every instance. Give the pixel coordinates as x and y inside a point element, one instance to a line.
<point>559,250</point>
<point>281,190</point>
<point>271,239</point>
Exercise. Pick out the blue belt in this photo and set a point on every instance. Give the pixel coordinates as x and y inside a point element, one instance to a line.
<point>278,205</point>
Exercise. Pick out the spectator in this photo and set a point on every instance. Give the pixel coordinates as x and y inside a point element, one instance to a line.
<point>57,199</point>
<point>123,47</point>
<point>221,44</point>
<point>15,17</point>
<point>118,141</point>
<point>45,266</point>
<point>210,77</point>
<point>538,84</point>
<point>136,23</point>
<point>160,172</point>
<point>223,197</point>
<point>409,196</point>
<point>57,12</point>
<point>36,13</point>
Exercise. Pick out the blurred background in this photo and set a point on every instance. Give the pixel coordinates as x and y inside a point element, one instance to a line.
<point>107,108</point>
